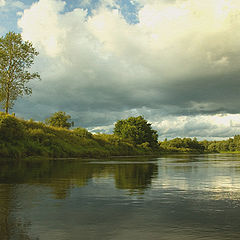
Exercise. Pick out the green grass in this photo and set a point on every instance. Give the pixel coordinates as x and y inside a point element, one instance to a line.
<point>23,138</point>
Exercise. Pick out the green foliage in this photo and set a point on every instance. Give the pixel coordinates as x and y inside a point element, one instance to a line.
<point>59,119</point>
<point>181,145</point>
<point>16,58</point>
<point>192,145</point>
<point>82,132</point>
<point>10,128</point>
<point>229,145</point>
<point>145,146</point>
<point>20,138</point>
<point>115,145</point>
<point>136,130</point>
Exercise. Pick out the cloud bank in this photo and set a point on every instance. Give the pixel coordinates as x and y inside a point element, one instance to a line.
<point>180,60</point>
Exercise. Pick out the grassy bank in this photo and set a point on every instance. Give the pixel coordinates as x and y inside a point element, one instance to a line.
<point>22,138</point>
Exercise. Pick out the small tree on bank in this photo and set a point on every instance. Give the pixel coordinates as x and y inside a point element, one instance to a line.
<point>59,119</point>
<point>16,58</point>
<point>137,130</point>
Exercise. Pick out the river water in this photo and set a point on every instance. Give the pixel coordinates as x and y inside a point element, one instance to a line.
<point>172,197</point>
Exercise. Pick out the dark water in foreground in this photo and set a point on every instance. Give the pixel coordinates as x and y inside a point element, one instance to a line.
<point>178,197</point>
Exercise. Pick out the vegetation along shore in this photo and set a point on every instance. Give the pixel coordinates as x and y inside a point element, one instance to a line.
<point>133,136</point>
<point>21,138</point>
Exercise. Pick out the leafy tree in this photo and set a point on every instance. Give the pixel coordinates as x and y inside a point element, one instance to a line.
<point>137,130</point>
<point>59,119</point>
<point>16,57</point>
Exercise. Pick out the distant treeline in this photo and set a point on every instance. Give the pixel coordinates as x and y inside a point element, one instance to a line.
<point>229,145</point>
<point>192,145</point>
<point>181,145</point>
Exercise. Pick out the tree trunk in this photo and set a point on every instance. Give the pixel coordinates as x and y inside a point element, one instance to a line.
<point>6,110</point>
<point>7,100</point>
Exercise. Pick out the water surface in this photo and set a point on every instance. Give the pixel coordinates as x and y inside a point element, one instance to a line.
<point>170,197</point>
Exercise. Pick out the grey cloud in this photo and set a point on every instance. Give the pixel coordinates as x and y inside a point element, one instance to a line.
<point>101,74</point>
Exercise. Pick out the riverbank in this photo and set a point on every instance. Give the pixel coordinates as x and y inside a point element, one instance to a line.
<point>23,138</point>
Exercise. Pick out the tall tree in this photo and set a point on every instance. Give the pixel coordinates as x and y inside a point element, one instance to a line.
<point>16,58</point>
<point>137,130</point>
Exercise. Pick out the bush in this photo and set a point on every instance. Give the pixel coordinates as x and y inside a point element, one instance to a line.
<point>82,132</point>
<point>59,119</point>
<point>10,128</point>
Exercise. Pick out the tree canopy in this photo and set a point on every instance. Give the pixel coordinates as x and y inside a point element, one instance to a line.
<point>137,130</point>
<point>16,58</point>
<point>59,119</point>
<point>181,145</point>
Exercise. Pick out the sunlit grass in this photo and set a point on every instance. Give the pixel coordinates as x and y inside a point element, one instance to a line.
<point>22,138</point>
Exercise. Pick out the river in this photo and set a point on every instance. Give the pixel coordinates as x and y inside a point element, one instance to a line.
<point>180,197</point>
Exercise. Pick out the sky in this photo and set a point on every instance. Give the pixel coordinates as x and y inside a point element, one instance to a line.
<point>175,62</point>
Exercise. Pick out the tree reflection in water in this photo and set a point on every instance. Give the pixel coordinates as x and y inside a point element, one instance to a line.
<point>61,176</point>
<point>134,177</point>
